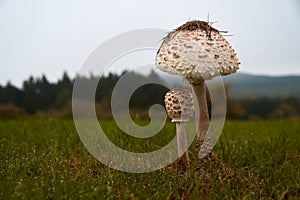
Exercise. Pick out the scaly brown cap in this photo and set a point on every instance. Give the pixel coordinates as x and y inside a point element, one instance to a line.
<point>196,51</point>
<point>179,104</point>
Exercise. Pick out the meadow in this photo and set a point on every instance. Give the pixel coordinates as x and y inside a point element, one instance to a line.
<point>45,159</point>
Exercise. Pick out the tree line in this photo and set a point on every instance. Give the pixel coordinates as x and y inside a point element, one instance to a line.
<point>38,95</point>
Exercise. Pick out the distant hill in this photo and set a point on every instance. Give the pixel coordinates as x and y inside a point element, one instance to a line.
<point>242,85</point>
<point>255,86</point>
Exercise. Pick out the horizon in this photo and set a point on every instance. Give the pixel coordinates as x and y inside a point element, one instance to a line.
<point>20,85</point>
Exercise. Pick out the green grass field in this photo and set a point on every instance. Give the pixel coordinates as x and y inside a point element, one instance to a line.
<point>45,159</point>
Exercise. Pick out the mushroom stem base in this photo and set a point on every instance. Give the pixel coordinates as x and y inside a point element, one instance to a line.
<point>182,144</point>
<point>202,117</point>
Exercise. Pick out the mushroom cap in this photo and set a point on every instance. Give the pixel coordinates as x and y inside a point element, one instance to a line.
<point>196,51</point>
<point>179,104</point>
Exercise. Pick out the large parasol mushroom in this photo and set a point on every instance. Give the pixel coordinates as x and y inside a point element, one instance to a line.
<point>180,107</point>
<point>197,52</point>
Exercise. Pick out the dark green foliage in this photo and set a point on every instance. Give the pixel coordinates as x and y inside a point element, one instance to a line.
<point>38,94</point>
<point>147,95</point>
<point>264,108</point>
<point>11,94</point>
<point>248,96</point>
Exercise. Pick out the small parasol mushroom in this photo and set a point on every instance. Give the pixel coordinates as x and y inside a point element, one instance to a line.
<point>197,52</point>
<point>180,107</point>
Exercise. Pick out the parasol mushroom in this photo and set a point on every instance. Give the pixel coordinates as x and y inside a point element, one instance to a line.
<point>197,52</point>
<point>180,107</point>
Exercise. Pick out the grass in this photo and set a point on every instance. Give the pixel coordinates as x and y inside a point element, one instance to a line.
<point>45,159</point>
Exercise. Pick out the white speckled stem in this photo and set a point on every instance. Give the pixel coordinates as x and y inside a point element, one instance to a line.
<point>202,118</point>
<point>182,143</point>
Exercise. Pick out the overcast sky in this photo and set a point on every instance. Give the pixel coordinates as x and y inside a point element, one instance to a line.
<point>48,37</point>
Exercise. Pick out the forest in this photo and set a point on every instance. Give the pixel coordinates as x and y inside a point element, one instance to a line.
<point>39,97</point>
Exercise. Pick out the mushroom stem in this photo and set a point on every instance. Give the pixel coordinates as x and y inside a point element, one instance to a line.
<point>182,143</point>
<point>202,117</point>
